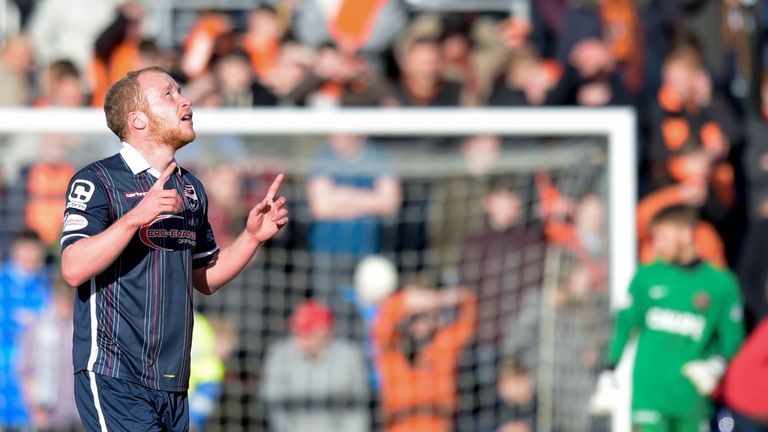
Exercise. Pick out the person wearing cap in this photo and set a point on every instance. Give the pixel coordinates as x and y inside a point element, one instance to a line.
<point>313,381</point>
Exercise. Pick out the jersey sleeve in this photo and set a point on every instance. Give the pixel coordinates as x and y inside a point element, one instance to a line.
<point>87,211</point>
<point>731,330</point>
<point>627,319</point>
<point>205,250</point>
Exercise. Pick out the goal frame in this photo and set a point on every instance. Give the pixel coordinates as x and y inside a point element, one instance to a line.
<point>616,124</point>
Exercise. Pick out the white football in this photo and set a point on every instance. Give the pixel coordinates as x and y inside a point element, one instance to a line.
<point>375,279</point>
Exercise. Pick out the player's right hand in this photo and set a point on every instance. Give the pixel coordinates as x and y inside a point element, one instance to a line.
<point>705,374</point>
<point>158,200</point>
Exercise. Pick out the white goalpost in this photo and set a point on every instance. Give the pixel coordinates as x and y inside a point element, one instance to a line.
<point>613,128</point>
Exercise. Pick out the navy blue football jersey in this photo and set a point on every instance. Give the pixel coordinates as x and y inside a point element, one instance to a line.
<point>134,320</point>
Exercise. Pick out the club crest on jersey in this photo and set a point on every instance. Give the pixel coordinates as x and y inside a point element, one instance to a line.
<point>166,233</point>
<point>191,195</point>
<point>702,301</point>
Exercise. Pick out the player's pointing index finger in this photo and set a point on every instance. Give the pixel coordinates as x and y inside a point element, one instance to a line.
<point>275,186</point>
<point>164,176</point>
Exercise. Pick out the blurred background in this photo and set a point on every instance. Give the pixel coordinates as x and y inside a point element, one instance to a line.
<point>436,282</point>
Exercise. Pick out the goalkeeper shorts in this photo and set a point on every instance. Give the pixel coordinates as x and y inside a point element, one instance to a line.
<point>644,420</point>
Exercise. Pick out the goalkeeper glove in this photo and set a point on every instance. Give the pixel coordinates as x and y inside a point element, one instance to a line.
<point>605,399</point>
<point>705,374</point>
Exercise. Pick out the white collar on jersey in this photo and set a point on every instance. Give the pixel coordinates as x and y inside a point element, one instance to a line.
<point>137,163</point>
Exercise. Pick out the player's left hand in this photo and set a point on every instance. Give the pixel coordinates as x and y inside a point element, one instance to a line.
<point>268,216</point>
<point>606,398</point>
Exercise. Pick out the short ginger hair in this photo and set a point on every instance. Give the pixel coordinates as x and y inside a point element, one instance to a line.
<point>123,97</point>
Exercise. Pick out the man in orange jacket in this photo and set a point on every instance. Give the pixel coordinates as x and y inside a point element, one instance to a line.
<point>419,350</point>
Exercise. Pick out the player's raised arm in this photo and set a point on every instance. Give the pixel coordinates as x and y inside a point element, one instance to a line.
<point>264,221</point>
<point>92,254</point>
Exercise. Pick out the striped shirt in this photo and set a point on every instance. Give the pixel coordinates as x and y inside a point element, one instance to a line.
<point>134,320</point>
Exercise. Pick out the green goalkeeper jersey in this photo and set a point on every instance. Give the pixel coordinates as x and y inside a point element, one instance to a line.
<point>680,313</point>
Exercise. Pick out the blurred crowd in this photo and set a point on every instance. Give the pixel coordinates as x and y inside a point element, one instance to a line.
<point>695,71</point>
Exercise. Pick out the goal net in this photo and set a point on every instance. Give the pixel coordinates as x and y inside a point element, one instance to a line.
<point>510,232</point>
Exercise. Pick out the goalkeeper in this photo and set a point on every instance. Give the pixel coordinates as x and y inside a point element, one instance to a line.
<point>687,315</point>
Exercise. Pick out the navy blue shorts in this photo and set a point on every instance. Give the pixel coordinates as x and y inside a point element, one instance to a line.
<point>111,404</point>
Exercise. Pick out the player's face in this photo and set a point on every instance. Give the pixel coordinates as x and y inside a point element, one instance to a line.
<point>671,240</point>
<point>169,112</point>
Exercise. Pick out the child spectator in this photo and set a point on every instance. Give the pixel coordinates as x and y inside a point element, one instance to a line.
<point>517,399</point>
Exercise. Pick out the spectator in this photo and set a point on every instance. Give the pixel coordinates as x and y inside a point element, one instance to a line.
<point>589,77</point>
<point>204,41</point>
<point>550,15</point>
<point>517,399</point>
<point>470,48</point>
<point>455,203</point>
<point>636,33</point>
<point>226,210</point>
<point>313,381</point>
<point>573,310</point>
<point>339,79</point>
<point>46,369</point>
<point>294,63</point>
<point>375,279</point>
<point>456,49</point>
<point>526,81</point>
<point>16,65</point>
<point>707,241</point>
<point>421,82</point>
<point>203,91</point>
<point>69,29</point>
<point>755,160</point>
<point>726,31</point>
<point>237,86</point>
<point>369,26</point>
<point>753,273</point>
<point>212,343</point>
<point>420,333</point>
<point>685,118</point>
<point>578,226</point>
<point>25,292</point>
<point>509,240</point>
<point>500,264</point>
<point>117,49</point>
<point>45,183</point>
<point>61,86</point>
<point>351,187</point>
<point>261,40</point>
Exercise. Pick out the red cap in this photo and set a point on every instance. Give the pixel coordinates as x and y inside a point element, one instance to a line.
<point>310,316</point>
